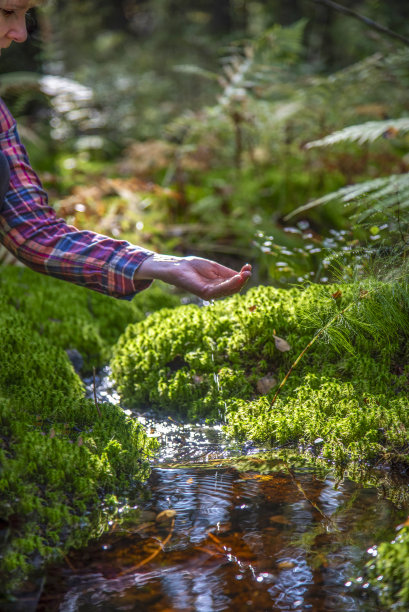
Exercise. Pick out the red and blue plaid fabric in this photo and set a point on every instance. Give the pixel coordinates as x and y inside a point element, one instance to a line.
<point>30,229</point>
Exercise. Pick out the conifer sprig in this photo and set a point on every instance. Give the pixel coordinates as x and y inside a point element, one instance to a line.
<point>378,311</point>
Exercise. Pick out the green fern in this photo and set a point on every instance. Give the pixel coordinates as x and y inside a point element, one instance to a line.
<point>374,196</point>
<point>364,132</point>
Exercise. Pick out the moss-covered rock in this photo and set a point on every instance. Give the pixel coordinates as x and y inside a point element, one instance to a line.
<point>208,362</point>
<point>62,461</point>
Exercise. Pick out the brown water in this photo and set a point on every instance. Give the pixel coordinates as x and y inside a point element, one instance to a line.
<point>234,541</point>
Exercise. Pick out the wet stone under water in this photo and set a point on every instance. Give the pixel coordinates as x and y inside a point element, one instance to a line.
<point>209,536</point>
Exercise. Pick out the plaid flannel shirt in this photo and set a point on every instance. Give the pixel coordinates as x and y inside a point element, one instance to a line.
<point>30,229</point>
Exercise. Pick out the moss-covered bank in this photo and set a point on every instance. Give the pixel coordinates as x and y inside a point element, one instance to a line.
<point>346,402</point>
<point>221,360</point>
<point>74,318</point>
<point>62,462</point>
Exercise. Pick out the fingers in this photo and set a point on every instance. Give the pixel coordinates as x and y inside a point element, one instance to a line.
<point>227,282</point>
<point>245,272</point>
<point>227,287</point>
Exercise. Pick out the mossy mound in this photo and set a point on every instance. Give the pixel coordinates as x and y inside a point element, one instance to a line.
<point>389,571</point>
<point>62,461</point>
<point>76,318</point>
<point>213,361</point>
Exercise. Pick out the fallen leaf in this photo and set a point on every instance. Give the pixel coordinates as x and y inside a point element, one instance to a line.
<point>189,481</point>
<point>286,565</point>
<point>281,519</point>
<point>265,384</point>
<point>281,344</point>
<point>166,515</point>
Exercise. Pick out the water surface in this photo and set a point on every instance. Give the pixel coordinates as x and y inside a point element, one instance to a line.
<point>234,541</point>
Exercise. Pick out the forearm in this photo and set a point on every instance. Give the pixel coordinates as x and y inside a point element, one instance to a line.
<point>159,267</point>
<point>50,246</point>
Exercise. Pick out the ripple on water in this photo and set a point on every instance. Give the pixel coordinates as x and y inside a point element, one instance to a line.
<point>239,541</point>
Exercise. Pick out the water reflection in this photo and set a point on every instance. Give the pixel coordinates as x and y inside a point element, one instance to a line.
<point>239,541</point>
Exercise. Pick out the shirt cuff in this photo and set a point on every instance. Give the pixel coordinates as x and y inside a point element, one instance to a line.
<point>121,273</point>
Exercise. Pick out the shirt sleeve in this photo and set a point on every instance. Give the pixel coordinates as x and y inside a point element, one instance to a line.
<point>30,229</point>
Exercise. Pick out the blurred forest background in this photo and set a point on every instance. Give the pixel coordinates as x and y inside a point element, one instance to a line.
<point>200,127</point>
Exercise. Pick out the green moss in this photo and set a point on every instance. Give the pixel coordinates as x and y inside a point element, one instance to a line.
<point>207,362</point>
<point>61,462</point>
<point>73,317</point>
<point>389,571</point>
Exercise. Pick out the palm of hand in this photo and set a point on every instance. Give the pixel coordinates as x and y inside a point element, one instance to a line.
<point>210,280</point>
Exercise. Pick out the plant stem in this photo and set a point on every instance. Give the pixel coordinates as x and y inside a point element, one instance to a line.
<point>95,394</point>
<point>309,345</point>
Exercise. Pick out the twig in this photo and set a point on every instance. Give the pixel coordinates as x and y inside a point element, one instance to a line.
<point>162,545</point>
<point>217,542</point>
<point>211,553</point>
<point>95,393</point>
<point>70,565</point>
<point>301,489</point>
<point>369,22</point>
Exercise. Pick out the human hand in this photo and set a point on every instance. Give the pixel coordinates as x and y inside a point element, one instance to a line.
<point>202,277</point>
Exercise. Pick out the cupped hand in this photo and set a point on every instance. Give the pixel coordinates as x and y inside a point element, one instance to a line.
<point>202,277</point>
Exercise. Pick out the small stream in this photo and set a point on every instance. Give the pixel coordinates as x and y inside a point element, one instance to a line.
<point>209,534</point>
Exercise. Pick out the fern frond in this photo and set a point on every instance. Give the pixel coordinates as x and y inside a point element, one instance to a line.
<point>197,71</point>
<point>282,43</point>
<point>371,69</point>
<point>376,195</point>
<point>14,80</point>
<point>364,132</point>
